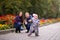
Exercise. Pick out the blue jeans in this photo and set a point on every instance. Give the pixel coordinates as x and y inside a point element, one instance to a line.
<point>28,26</point>
<point>17,27</point>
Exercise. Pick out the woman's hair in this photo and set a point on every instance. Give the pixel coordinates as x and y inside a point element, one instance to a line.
<point>18,12</point>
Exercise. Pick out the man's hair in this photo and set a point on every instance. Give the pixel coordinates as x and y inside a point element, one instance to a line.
<point>27,12</point>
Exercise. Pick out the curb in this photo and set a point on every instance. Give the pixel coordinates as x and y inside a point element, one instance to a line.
<point>6,31</point>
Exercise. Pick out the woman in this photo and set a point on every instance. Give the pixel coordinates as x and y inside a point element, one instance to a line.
<point>18,22</point>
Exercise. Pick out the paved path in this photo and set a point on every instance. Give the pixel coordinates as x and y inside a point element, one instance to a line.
<point>50,32</point>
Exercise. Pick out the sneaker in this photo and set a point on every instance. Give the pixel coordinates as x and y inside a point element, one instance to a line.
<point>27,32</point>
<point>29,35</point>
<point>36,35</point>
<point>19,32</point>
<point>33,31</point>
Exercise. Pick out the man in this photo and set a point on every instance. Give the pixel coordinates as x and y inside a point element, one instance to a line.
<point>27,23</point>
<point>18,22</point>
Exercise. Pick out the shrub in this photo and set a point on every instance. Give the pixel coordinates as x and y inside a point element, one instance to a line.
<point>4,26</point>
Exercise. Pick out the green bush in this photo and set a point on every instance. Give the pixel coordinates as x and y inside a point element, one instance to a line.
<point>44,8</point>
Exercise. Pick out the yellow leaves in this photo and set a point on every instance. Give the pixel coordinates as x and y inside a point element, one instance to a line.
<point>4,26</point>
<point>42,22</point>
<point>58,19</point>
<point>49,21</point>
<point>0,25</point>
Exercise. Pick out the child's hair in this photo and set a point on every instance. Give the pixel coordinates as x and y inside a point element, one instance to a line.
<point>35,15</point>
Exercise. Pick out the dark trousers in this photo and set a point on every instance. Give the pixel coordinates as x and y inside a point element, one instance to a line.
<point>17,27</point>
<point>28,26</point>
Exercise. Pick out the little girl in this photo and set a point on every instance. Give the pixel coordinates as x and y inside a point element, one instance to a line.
<point>34,25</point>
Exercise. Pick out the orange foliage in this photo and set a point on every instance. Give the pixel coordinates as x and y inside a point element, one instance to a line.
<point>7,18</point>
